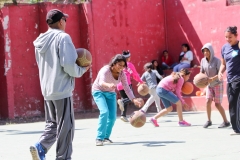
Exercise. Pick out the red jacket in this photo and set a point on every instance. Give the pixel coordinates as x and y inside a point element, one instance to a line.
<point>167,61</point>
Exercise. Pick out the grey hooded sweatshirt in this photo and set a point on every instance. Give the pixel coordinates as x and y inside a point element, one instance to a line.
<point>56,56</point>
<point>211,67</point>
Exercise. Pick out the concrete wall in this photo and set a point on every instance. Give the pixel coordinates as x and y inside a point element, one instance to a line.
<point>103,28</point>
<point>20,88</point>
<point>198,22</point>
<point>144,27</point>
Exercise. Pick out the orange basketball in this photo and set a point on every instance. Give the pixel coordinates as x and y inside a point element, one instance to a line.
<point>137,119</point>
<point>198,93</point>
<point>200,80</point>
<point>143,89</point>
<point>84,57</point>
<point>187,88</point>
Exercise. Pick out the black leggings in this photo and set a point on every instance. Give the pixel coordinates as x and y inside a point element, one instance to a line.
<point>233,93</point>
<point>125,100</point>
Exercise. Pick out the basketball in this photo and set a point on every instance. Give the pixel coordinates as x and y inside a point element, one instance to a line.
<point>200,80</point>
<point>137,119</point>
<point>84,57</point>
<point>143,89</point>
<point>187,88</point>
<point>198,93</point>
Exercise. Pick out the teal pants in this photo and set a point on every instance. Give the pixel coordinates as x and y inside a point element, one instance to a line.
<point>107,105</point>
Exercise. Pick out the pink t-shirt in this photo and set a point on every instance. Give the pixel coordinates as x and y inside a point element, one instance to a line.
<point>130,71</point>
<point>105,75</point>
<point>167,84</point>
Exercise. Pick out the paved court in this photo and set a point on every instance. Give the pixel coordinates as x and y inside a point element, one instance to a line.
<point>168,142</point>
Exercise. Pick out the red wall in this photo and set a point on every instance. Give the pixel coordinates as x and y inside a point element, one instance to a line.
<point>20,88</point>
<point>197,22</point>
<point>103,28</point>
<point>145,28</point>
<point>132,25</point>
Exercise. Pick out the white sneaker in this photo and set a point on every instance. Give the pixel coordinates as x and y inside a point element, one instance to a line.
<point>234,133</point>
<point>124,119</point>
<point>120,104</point>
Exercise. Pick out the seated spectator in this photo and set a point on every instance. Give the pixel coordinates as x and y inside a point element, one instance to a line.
<point>167,61</point>
<point>185,58</point>
<point>157,67</point>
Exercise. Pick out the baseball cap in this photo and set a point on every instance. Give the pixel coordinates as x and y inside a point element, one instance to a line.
<point>54,15</point>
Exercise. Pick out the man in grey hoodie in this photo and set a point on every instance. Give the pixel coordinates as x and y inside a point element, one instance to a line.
<point>56,56</point>
<point>214,92</point>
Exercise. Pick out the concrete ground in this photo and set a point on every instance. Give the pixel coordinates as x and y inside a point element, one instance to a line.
<point>167,142</point>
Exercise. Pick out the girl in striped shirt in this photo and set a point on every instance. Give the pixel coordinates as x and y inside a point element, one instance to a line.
<point>103,92</point>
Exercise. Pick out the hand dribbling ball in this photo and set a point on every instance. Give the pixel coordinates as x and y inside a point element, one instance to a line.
<point>187,88</point>
<point>141,101</point>
<point>200,80</point>
<point>143,89</point>
<point>84,57</point>
<point>137,119</point>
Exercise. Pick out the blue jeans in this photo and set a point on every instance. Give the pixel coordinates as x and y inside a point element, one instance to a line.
<point>180,66</point>
<point>166,96</point>
<point>107,105</point>
<point>165,66</point>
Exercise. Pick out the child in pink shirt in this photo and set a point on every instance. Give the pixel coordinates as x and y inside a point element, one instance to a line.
<point>129,71</point>
<point>166,89</point>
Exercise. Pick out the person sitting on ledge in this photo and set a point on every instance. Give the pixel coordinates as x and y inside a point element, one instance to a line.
<point>167,61</point>
<point>185,58</point>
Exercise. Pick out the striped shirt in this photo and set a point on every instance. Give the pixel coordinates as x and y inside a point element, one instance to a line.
<point>105,75</point>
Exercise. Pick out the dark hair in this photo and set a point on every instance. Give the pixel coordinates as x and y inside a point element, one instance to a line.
<point>232,29</point>
<point>117,58</point>
<point>186,45</point>
<point>165,51</point>
<point>126,54</point>
<point>154,61</point>
<point>148,66</point>
<point>176,75</point>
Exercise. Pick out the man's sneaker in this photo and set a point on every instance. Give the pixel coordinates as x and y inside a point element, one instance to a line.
<point>107,140</point>
<point>184,124</point>
<point>234,133</point>
<point>224,125</point>
<point>154,122</point>
<point>120,104</point>
<point>37,152</point>
<point>99,142</point>
<point>124,119</point>
<point>207,124</point>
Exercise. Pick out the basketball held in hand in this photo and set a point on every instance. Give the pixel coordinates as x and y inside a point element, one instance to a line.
<point>84,57</point>
<point>200,80</point>
<point>143,89</point>
<point>187,88</point>
<point>137,119</point>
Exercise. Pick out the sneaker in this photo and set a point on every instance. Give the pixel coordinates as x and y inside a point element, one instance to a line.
<point>120,104</point>
<point>184,124</point>
<point>154,122</point>
<point>107,140</point>
<point>234,133</point>
<point>224,125</point>
<point>207,124</point>
<point>37,152</point>
<point>99,142</point>
<point>124,119</point>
